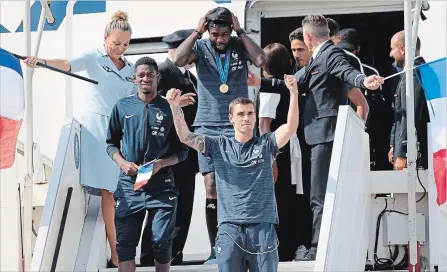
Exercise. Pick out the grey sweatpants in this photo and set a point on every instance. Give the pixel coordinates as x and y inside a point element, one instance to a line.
<point>259,240</point>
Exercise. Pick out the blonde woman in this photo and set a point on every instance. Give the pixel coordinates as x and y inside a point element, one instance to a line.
<point>106,64</point>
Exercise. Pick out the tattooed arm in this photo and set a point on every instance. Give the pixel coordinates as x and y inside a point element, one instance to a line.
<point>185,135</point>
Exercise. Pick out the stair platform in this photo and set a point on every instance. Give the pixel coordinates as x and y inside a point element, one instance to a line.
<point>283,267</point>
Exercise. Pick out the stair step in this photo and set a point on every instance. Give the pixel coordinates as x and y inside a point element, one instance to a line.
<point>283,267</point>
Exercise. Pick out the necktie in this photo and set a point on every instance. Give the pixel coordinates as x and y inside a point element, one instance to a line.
<point>311,60</point>
<point>310,63</point>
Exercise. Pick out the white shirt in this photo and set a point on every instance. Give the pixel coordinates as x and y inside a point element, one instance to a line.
<point>268,102</point>
<point>315,52</point>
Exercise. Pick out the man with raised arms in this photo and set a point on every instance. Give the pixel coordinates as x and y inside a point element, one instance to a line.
<point>247,212</point>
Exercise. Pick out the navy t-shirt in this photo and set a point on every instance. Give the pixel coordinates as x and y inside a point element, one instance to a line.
<point>212,104</point>
<point>244,178</point>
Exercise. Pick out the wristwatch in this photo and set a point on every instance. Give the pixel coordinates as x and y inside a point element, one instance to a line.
<point>240,32</point>
<point>199,33</point>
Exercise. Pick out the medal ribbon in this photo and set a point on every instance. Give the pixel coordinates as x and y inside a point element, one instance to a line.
<point>223,73</point>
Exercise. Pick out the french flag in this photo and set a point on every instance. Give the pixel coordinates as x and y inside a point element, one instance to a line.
<point>433,79</point>
<point>12,106</point>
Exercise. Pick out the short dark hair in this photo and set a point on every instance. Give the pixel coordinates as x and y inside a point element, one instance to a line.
<point>277,62</point>
<point>240,101</point>
<point>334,28</point>
<point>297,34</point>
<point>316,24</point>
<point>146,61</point>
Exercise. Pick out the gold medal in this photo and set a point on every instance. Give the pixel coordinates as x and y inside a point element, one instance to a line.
<point>224,88</point>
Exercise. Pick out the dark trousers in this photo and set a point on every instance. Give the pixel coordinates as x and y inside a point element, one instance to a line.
<point>184,177</point>
<point>378,128</point>
<point>128,230</point>
<point>305,219</point>
<point>295,217</point>
<point>288,207</point>
<point>320,160</point>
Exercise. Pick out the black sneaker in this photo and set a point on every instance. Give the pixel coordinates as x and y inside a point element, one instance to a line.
<point>300,254</point>
<point>111,265</point>
<point>178,259</point>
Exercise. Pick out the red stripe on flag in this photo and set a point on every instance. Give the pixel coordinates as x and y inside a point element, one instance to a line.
<point>439,169</point>
<point>9,131</point>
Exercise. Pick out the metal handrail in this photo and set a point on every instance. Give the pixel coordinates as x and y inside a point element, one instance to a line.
<point>28,146</point>
<point>48,14</point>
<point>21,150</point>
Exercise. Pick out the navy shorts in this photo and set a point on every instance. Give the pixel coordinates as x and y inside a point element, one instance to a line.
<point>128,233</point>
<point>206,164</point>
<point>259,251</point>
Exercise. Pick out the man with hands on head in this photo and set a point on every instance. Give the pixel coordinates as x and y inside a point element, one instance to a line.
<point>141,131</point>
<point>222,73</point>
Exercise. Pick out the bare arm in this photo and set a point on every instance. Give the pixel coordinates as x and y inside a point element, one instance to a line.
<point>264,125</point>
<point>165,162</point>
<point>185,135</point>
<point>286,131</point>
<point>57,63</point>
<point>77,64</point>
<point>357,98</point>
<point>255,53</point>
<point>168,161</point>
<point>178,152</point>
<point>184,54</point>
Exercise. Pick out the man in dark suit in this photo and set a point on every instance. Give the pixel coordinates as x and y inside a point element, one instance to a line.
<point>185,172</point>
<point>324,77</point>
<point>421,115</point>
<point>322,80</point>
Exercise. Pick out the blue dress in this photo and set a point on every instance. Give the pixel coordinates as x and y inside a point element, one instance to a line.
<point>98,170</point>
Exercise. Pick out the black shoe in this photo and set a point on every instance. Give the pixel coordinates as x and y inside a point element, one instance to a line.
<point>111,265</point>
<point>178,259</point>
<point>300,254</point>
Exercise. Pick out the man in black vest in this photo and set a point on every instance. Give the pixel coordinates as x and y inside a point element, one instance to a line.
<point>185,172</point>
<point>324,77</point>
<point>376,125</point>
<point>421,115</point>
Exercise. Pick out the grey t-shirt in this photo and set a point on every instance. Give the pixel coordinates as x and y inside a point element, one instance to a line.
<point>212,104</point>
<point>244,178</point>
